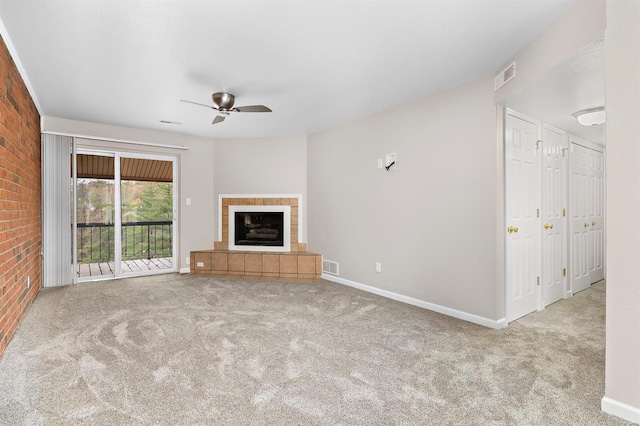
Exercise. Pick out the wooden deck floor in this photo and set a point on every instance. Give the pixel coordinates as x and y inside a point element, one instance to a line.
<point>128,266</point>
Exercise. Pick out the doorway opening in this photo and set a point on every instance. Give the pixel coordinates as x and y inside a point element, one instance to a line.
<point>555,215</point>
<point>124,215</point>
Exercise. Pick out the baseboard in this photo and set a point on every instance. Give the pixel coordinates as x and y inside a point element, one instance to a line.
<point>486,322</point>
<point>185,270</point>
<point>620,409</point>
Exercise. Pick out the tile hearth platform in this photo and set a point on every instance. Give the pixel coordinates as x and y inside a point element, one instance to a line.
<point>301,264</point>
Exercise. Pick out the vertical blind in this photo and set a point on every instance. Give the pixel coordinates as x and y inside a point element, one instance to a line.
<point>56,210</point>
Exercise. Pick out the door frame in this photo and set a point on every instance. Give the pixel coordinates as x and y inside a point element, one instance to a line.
<point>570,138</point>
<point>117,155</point>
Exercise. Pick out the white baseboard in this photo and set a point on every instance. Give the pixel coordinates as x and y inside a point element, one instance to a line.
<point>185,270</point>
<point>486,322</point>
<point>620,409</point>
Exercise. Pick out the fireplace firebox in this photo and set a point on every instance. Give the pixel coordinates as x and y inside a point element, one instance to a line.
<point>259,229</point>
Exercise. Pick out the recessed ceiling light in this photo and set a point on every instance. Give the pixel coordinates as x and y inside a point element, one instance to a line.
<point>591,117</point>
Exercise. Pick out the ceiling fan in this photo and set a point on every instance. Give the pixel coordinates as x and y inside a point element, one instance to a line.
<point>223,104</point>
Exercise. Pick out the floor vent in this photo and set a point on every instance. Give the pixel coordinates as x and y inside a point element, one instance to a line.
<point>507,74</point>
<point>330,267</point>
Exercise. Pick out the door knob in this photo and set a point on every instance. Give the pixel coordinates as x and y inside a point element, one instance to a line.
<point>512,229</point>
<point>593,224</point>
<point>586,225</point>
<point>548,226</point>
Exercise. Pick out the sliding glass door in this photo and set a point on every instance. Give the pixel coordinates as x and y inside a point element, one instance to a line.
<point>94,216</point>
<point>147,215</point>
<point>124,221</point>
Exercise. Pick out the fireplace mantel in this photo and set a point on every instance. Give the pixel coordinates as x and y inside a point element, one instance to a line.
<point>286,216</point>
<point>293,201</point>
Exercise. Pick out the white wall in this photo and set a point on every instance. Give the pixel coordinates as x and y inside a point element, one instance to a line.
<point>195,173</point>
<point>262,166</point>
<point>579,25</point>
<point>432,221</point>
<point>622,50</point>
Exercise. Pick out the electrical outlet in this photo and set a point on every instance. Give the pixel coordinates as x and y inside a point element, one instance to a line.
<point>28,282</point>
<point>380,163</point>
<point>378,267</point>
<point>188,260</point>
<point>187,201</point>
<point>199,264</point>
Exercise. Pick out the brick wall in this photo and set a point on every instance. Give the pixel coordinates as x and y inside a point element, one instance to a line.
<point>20,213</point>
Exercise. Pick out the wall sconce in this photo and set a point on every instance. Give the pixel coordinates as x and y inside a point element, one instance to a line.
<point>591,117</point>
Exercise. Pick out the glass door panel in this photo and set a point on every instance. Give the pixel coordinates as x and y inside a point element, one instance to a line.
<point>147,215</point>
<point>95,201</point>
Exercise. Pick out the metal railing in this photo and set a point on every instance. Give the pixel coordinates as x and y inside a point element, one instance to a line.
<point>140,240</point>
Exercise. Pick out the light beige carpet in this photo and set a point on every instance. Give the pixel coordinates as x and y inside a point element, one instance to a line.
<point>177,349</point>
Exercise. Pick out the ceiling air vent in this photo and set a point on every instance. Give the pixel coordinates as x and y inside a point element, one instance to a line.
<point>507,74</point>
<point>330,267</point>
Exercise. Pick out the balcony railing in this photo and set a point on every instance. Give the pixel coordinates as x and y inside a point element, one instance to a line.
<point>140,240</point>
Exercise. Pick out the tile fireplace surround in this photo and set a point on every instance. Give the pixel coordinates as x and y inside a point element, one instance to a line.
<point>297,263</point>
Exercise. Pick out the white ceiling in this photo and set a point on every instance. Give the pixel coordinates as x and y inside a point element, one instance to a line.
<point>315,63</point>
<point>574,85</point>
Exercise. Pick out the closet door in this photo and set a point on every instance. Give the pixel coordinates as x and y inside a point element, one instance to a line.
<point>554,197</point>
<point>522,214</point>
<point>587,216</point>
<point>580,275</point>
<point>596,265</point>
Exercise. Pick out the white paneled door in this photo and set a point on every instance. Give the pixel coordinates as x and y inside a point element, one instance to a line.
<point>554,203</point>
<point>587,217</point>
<point>596,267</point>
<point>579,218</point>
<point>522,216</point>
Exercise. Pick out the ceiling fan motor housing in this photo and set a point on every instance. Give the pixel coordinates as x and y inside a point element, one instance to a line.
<point>223,100</point>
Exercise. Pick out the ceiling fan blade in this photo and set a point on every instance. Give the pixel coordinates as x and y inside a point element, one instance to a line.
<point>196,103</point>
<point>252,108</point>
<point>218,119</point>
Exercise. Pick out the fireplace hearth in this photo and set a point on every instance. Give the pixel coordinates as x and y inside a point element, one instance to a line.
<point>292,260</point>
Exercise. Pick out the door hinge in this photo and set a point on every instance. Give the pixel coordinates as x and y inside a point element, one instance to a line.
<point>538,143</point>
<point>563,151</point>
<point>564,272</point>
<point>537,212</point>
<point>538,280</point>
<point>564,212</point>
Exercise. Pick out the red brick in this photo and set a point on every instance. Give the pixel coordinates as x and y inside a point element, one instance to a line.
<point>20,195</point>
